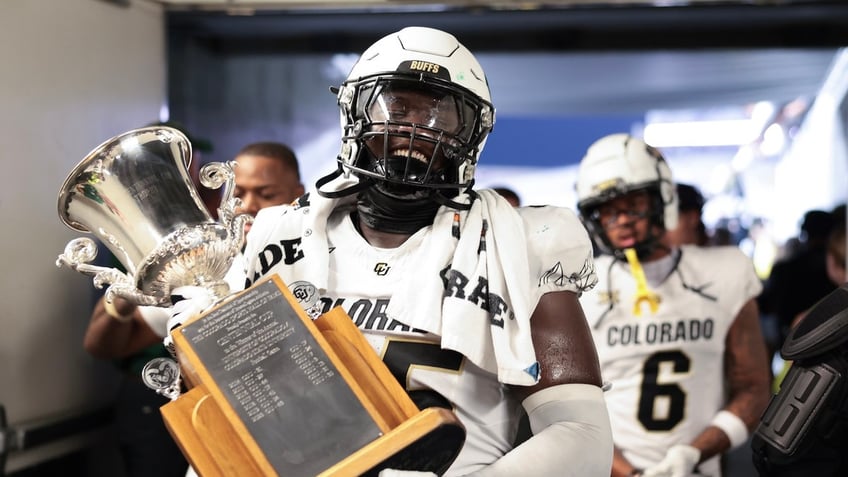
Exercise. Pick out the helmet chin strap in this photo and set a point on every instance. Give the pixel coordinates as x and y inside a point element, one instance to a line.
<point>449,202</point>
<point>364,183</point>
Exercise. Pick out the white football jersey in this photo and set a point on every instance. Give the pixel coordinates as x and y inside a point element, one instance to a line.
<point>362,278</point>
<point>666,369</point>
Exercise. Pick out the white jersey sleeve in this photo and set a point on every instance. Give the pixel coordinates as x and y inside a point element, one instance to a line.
<point>267,226</point>
<point>560,249</point>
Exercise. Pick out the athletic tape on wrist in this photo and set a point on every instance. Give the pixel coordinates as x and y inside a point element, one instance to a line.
<point>733,426</point>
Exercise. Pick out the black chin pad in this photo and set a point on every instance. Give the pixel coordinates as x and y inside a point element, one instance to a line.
<point>405,169</point>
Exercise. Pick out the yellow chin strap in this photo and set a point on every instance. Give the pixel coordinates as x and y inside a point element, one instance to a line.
<point>643,293</point>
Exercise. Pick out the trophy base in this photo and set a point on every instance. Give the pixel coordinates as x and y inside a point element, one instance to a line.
<point>354,426</point>
<point>428,441</point>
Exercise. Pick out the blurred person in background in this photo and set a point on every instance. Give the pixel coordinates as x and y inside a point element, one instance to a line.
<point>799,280</point>
<point>690,225</point>
<point>835,267</point>
<point>836,245</point>
<point>267,174</point>
<point>510,195</point>
<point>676,327</point>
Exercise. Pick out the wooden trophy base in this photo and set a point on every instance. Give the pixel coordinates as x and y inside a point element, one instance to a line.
<point>219,441</point>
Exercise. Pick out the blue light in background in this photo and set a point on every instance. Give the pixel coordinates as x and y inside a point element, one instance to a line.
<point>552,141</point>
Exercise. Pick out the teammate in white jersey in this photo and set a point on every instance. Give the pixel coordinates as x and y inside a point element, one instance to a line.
<point>676,327</point>
<point>415,114</point>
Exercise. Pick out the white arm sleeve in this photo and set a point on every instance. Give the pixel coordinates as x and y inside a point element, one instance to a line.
<point>571,436</point>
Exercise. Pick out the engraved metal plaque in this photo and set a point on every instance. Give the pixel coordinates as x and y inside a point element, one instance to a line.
<point>280,382</point>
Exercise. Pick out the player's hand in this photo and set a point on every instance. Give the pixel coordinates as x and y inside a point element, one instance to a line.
<point>188,301</point>
<point>679,461</point>
<point>404,473</point>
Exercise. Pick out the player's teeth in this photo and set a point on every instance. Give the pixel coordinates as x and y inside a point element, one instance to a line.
<point>414,155</point>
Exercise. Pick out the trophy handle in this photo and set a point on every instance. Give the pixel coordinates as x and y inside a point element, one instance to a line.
<point>216,175</point>
<point>78,252</point>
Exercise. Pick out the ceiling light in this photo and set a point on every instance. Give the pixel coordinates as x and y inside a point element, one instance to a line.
<point>725,132</point>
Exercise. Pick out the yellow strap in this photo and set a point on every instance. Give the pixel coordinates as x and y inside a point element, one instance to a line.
<point>643,293</point>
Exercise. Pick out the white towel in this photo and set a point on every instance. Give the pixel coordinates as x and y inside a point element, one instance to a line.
<point>314,234</point>
<point>494,251</point>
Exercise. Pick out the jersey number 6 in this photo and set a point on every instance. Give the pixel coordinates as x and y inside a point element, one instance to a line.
<point>652,390</point>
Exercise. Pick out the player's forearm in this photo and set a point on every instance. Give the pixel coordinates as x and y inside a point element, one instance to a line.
<point>731,427</point>
<point>564,450</point>
<point>748,375</point>
<point>749,384</point>
<point>749,402</point>
<point>749,395</point>
<point>711,442</point>
<point>571,436</point>
<point>108,337</point>
<point>105,335</point>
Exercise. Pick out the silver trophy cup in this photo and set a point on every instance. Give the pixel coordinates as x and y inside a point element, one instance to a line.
<point>134,193</point>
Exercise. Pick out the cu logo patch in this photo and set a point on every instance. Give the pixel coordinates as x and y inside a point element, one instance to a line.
<point>305,293</point>
<point>381,268</point>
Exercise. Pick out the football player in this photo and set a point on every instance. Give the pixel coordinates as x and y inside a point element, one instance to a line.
<point>381,237</point>
<point>672,324</point>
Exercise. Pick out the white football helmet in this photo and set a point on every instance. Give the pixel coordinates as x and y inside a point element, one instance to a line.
<point>432,141</point>
<point>619,164</point>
